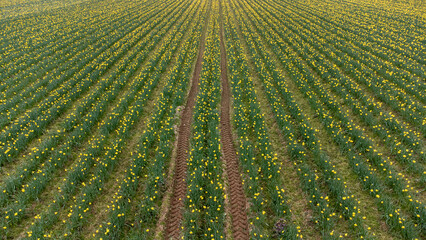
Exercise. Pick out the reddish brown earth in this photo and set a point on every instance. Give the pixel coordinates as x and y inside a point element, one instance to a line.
<point>236,193</point>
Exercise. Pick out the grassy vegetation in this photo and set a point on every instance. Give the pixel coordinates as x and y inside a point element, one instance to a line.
<point>327,115</point>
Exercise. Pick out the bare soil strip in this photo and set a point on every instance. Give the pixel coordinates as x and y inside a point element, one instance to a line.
<point>174,216</point>
<point>238,200</point>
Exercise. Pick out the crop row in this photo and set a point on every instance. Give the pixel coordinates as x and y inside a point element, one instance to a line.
<point>349,136</point>
<point>130,107</point>
<point>405,143</point>
<point>401,34</point>
<point>77,212</point>
<point>40,82</point>
<point>259,164</point>
<point>374,73</point>
<point>159,138</point>
<point>308,146</point>
<point>138,94</point>
<point>86,113</point>
<point>25,46</point>
<point>30,125</point>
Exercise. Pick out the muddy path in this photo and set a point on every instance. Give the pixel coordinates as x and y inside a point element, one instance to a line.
<point>174,216</point>
<point>237,197</point>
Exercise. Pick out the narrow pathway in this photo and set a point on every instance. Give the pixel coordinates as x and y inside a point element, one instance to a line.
<point>174,216</point>
<point>236,193</point>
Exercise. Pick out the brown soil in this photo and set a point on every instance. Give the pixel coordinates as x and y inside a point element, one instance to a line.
<point>174,216</point>
<point>236,193</point>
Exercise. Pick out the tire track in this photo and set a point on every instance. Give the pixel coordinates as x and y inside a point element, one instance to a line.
<point>238,200</point>
<point>174,216</point>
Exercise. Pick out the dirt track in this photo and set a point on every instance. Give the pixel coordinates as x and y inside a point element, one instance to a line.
<point>236,193</point>
<point>174,216</point>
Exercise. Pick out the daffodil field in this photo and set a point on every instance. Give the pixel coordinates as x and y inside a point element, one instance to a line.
<point>212,119</point>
